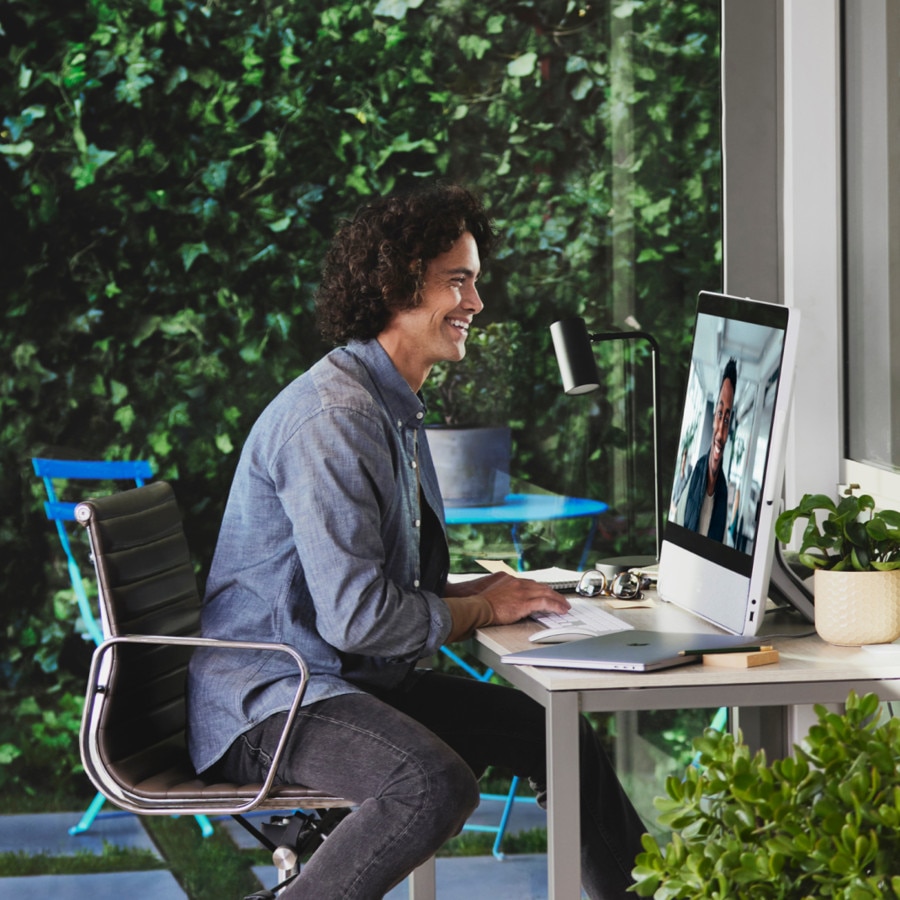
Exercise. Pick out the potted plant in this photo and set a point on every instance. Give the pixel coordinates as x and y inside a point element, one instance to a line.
<point>854,551</point>
<point>470,404</point>
<point>824,822</point>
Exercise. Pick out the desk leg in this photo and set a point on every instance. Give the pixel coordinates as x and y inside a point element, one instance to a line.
<point>563,810</point>
<point>423,882</point>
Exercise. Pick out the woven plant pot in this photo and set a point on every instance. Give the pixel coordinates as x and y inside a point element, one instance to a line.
<point>854,608</point>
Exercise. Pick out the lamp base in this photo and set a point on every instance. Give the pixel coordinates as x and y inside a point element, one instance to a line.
<point>616,564</point>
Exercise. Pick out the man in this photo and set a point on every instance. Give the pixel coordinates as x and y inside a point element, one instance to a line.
<point>333,542</point>
<point>706,506</point>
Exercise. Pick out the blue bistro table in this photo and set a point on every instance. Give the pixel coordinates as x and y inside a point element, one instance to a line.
<point>519,508</point>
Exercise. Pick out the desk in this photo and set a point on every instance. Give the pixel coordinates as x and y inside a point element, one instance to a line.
<point>809,671</point>
<point>519,508</point>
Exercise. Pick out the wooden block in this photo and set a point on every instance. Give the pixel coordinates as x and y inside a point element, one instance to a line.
<point>741,660</point>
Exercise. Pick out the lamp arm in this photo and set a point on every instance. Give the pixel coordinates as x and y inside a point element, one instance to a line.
<point>654,348</point>
<point>624,336</point>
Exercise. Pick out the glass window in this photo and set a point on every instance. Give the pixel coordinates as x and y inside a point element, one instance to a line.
<point>616,216</point>
<point>620,204</point>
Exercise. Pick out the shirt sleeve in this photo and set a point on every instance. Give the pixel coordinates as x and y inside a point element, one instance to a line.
<point>343,484</point>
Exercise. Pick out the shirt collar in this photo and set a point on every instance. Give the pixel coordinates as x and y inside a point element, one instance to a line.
<point>403,406</point>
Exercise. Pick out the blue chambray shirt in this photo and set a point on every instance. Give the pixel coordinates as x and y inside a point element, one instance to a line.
<point>319,549</point>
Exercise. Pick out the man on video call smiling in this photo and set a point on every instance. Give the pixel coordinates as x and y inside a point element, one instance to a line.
<point>706,503</point>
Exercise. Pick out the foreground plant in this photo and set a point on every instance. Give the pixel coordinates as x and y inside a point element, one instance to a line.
<point>823,822</point>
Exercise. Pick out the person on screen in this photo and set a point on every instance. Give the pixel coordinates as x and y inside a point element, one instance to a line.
<point>706,503</point>
<point>681,480</point>
<point>333,542</point>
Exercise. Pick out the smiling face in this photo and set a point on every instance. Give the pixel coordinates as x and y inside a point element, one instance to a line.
<point>721,426</point>
<point>435,330</point>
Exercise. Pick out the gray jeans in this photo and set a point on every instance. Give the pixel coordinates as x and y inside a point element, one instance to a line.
<point>411,759</point>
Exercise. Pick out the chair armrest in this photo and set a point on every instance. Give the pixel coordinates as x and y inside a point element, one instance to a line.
<point>97,688</point>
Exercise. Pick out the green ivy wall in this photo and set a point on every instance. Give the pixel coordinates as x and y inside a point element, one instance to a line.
<point>172,170</point>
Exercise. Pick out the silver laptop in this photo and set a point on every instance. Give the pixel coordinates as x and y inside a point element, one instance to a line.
<point>630,651</point>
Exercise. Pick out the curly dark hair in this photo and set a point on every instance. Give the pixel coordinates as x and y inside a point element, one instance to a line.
<point>730,374</point>
<point>377,259</point>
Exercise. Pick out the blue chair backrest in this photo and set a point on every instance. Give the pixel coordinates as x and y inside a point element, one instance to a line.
<point>60,512</point>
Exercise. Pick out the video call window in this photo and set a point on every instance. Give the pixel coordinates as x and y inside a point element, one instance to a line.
<point>726,430</point>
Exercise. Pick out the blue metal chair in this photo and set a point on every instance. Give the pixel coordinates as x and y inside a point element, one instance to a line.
<point>60,512</point>
<point>509,798</point>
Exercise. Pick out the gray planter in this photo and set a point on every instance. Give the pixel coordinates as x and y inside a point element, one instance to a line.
<point>472,464</point>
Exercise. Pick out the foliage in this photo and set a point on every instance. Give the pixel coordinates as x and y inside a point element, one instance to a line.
<point>206,868</point>
<point>479,390</point>
<point>820,823</point>
<point>39,739</point>
<point>83,862</point>
<point>851,536</point>
<point>40,710</point>
<point>171,172</point>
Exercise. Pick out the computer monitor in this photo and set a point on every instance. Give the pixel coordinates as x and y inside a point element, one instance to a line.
<point>719,540</point>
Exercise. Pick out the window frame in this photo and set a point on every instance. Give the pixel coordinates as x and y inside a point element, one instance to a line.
<point>783,180</point>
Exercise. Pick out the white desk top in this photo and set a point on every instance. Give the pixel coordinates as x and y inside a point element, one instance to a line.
<point>808,671</point>
<point>803,662</point>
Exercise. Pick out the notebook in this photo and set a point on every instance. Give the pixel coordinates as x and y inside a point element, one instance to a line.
<point>630,651</point>
<point>559,579</point>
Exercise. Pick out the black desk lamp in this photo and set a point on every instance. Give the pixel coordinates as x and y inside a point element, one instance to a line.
<point>572,343</point>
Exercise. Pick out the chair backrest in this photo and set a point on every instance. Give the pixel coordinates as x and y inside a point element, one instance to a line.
<point>60,511</point>
<point>147,587</point>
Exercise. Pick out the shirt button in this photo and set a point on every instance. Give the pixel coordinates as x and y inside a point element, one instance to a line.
<point>414,464</point>
<point>420,415</point>
<point>416,583</point>
<point>418,523</point>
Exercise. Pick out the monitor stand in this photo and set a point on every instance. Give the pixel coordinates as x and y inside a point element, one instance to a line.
<point>786,587</point>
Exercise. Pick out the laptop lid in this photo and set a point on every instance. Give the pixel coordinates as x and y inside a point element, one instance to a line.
<point>628,651</point>
<point>718,543</point>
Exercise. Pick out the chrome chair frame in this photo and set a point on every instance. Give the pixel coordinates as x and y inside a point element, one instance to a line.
<point>146,580</point>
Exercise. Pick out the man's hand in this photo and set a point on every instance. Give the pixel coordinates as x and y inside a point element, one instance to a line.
<point>512,598</point>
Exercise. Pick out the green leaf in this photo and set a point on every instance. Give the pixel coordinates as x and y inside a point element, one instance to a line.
<point>9,753</point>
<point>190,252</point>
<point>24,148</point>
<point>118,391</point>
<point>395,9</point>
<point>582,87</point>
<point>84,173</point>
<point>125,416</point>
<point>473,46</point>
<point>522,66</point>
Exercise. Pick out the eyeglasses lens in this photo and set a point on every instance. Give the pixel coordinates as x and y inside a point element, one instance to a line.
<point>625,586</point>
<point>591,584</point>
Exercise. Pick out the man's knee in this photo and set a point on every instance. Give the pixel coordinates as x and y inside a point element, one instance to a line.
<point>456,789</point>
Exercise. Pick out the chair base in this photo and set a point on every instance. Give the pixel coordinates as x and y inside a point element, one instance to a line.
<point>291,838</point>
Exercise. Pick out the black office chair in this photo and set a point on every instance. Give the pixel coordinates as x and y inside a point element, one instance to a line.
<point>133,729</point>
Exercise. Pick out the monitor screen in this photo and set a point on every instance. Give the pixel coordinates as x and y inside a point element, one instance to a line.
<point>719,538</point>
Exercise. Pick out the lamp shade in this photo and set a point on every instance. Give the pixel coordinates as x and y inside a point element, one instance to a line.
<point>574,355</point>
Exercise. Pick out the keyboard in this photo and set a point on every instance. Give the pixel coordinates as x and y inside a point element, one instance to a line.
<point>584,612</point>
